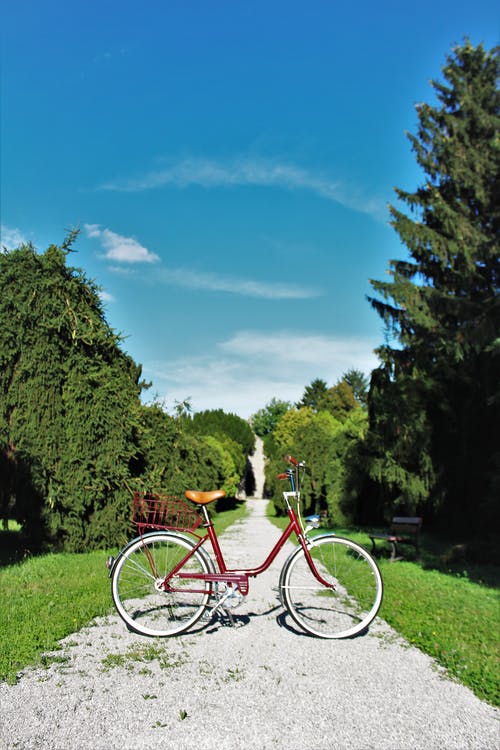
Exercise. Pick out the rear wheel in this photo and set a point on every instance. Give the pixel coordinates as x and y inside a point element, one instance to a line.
<point>354,599</point>
<point>138,594</point>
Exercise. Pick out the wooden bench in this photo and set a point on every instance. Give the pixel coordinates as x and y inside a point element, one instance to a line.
<point>403,530</point>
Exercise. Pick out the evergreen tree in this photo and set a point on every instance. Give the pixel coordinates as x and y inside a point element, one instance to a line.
<point>359,384</point>
<point>69,402</point>
<point>434,402</point>
<point>313,394</point>
<point>217,422</point>
<point>338,400</point>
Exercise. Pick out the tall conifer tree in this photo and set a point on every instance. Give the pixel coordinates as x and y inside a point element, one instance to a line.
<point>69,402</point>
<point>434,402</point>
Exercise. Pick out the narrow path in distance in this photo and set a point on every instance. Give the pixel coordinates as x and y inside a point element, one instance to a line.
<point>258,462</point>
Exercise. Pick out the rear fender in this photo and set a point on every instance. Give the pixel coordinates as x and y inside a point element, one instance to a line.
<point>203,553</point>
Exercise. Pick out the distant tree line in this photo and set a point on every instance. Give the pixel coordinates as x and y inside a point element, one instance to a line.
<point>75,438</point>
<point>429,440</point>
<point>325,428</point>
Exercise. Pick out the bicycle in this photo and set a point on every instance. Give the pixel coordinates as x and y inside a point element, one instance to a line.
<point>164,581</point>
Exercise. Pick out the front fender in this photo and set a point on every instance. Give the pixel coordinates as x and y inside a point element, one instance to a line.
<point>310,543</point>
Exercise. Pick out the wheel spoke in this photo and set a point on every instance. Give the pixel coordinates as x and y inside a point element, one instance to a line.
<point>141,601</point>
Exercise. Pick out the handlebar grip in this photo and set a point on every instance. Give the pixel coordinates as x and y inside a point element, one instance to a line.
<point>282,476</point>
<point>292,460</point>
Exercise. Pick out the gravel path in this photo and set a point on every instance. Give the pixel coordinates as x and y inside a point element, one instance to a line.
<point>258,684</point>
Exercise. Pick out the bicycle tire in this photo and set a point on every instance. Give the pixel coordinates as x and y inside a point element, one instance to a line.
<point>344,611</point>
<point>136,590</point>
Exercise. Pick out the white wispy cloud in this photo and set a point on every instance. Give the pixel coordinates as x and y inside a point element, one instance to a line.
<point>243,373</point>
<point>119,248</point>
<point>124,251</point>
<point>211,173</point>
<point>10,237</point>
<point>212,282</point>
<point>333,354</point>
<point>106,296</point>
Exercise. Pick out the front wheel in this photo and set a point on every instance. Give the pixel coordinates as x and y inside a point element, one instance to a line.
<point>350,605</point>
<point>136,584</point>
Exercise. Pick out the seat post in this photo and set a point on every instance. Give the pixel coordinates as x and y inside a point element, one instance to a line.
<point>206,516</point>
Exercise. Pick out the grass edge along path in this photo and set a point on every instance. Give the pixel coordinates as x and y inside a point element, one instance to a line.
<point>46,598</point>
<point>450,618</point>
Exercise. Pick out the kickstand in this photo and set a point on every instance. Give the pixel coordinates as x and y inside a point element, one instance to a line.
<point>229,615</point>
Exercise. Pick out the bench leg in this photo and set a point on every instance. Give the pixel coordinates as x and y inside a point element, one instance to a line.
<point>394,551</point>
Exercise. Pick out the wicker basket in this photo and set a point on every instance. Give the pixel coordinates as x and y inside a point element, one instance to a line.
<point>164,512</point>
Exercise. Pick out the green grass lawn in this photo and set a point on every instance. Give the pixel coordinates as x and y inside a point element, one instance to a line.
<point>452,614</point>
<point>451,618</point>
<point>45,598</point>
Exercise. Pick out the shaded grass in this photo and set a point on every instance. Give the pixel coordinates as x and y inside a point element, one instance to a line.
<point>44,599</point>
<point>11,543</point>
<point>450,613</point>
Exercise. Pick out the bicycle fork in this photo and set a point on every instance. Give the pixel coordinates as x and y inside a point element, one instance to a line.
<point>306,544</point>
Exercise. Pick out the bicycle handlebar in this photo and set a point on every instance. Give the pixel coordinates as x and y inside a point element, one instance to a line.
<point>290,473</point>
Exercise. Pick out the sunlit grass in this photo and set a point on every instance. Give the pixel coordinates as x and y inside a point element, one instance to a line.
<point>450,618</point>
<point>43,599</point>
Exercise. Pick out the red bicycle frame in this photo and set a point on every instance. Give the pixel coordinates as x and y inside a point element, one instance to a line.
<point>239,577</point>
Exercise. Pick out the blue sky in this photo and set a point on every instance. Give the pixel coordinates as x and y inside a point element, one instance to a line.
<point>229,165</point>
